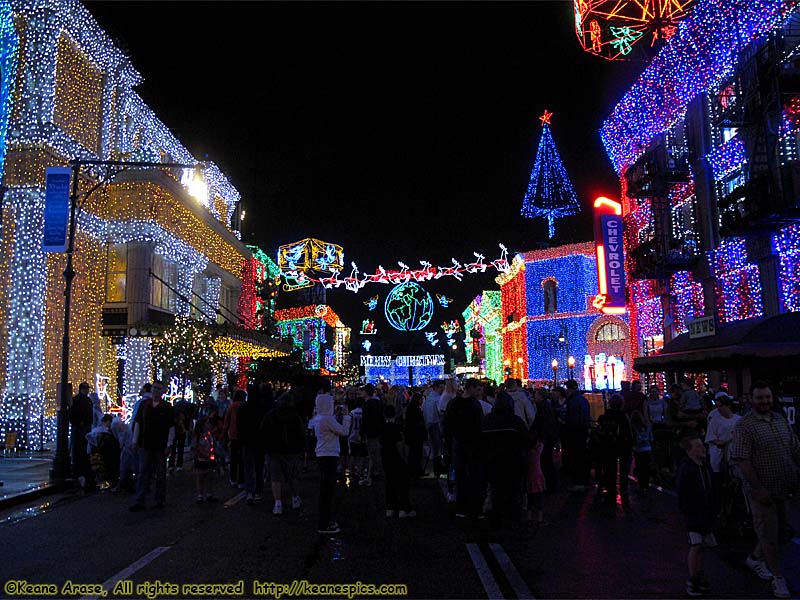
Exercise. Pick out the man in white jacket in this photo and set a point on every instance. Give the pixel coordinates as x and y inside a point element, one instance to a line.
<point>328,429</point>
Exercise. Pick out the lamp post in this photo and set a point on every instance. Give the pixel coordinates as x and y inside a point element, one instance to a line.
<point>61,459</point>
<point>554,364</point>
<point>571,365</point>
<point>563,337</point>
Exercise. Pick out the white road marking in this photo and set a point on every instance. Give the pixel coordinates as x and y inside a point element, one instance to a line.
<point>130,570</point>
<point>484,572</point>
<point>235,499</point>
<point>511,573</point>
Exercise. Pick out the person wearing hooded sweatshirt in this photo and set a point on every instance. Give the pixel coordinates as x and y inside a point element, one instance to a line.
<point>328,430</point>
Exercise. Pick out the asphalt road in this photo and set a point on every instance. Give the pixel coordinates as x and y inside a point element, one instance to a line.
<point>585,551</point>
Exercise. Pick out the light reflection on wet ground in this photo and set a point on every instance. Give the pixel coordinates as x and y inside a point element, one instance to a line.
<point>34,510</point>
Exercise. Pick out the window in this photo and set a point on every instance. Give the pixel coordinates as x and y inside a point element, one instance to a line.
<point>116,272</point>
<point>610,332</point>
<point>164,281</point>
<point>550,288</point>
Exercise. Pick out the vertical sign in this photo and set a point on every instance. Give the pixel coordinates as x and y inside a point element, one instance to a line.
<point>610,258</point>
<point>56,209</point>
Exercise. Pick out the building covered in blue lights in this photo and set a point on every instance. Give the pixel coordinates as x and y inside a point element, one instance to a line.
<point>560,321</point>
<point>706,143</point>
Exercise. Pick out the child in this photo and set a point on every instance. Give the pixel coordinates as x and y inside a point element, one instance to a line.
<point>205,457</point>
<point>698,504</point>
<point>395,467</point>
<point>535,480</point>
<point>642,449</point>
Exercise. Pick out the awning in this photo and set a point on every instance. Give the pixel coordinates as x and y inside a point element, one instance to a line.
<point>734,345</point>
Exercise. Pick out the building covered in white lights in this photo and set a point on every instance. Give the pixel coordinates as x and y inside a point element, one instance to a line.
<point>145,249</point>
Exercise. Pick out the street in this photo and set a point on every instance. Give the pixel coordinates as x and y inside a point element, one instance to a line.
<point>585,551</point>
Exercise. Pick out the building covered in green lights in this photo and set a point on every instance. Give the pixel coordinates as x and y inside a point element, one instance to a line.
<point>484,339</point>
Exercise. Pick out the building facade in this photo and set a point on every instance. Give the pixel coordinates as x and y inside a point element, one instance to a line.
<point>483,341</point>
<point>548,313</point>
<point>145,249</point>
<point>706,146</point>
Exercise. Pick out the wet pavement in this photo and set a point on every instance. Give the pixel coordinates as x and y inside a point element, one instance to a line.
<point>586,550</point>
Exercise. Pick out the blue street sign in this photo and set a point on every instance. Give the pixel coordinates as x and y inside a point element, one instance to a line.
<point>56,209</point>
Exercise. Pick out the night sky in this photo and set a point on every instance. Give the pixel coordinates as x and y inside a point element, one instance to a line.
<point>401,131</point>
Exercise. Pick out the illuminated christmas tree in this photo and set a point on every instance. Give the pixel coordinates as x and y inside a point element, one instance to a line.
<point>550,193</point>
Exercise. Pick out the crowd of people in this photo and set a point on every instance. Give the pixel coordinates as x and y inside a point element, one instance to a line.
<point>497,447</point>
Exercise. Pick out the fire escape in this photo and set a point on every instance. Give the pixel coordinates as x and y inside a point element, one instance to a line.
<point>656,249</point>
<point>768,81</point>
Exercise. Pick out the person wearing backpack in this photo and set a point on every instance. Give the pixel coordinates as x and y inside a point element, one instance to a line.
<point>613,445</point>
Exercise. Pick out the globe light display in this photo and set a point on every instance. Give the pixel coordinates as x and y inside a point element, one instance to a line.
<point>408,307</point>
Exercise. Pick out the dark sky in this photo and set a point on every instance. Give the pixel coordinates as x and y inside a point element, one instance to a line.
<point>401,131</point>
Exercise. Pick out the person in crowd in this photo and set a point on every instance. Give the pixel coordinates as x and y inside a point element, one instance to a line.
<point>80,420</point>
<point>462,428</point>
<point>230,426</point>
<point>430,411</point>
<point>222,401</point>
<point>634,398</point>
<point>767,452</point>
<point>655,409</point>
<point>574,435</point>
<point>486,406</point>
<point>536,481</point>
<point>396,467</point>
<point>283,432</point>
<point>449,393</point>
<point>97,409</point>
<point>719,435</point>
<point>691,403</point>
<point>522,404</point>
<point>504,447</point>
<point>356,441</point>
<point>414,434</point>
<point>104,453</point>
<point>344,440</point>
<point>642,450</point>
<point>699,506</point>
<point>183,425</point>
<point>127,460</point>
<point>153,433</point>
<point>613,445</point>
<point>251,438</point>
<point>327,430</point>
<point>546,425</point>
<point>204,456</point>
<point>371,424</point>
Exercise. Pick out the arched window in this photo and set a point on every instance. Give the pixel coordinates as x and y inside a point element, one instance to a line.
<point>550,288</point>
<point>610,332</point>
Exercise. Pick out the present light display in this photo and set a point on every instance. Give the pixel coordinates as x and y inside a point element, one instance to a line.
<point>74,100</point>
<point>550,193</point>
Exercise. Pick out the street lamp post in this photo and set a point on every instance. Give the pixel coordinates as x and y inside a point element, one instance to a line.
<point>571,365</point>
<point>563,337</point>
<point>520,360</point>
<point>554,364</point>
<point>61,460</point>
